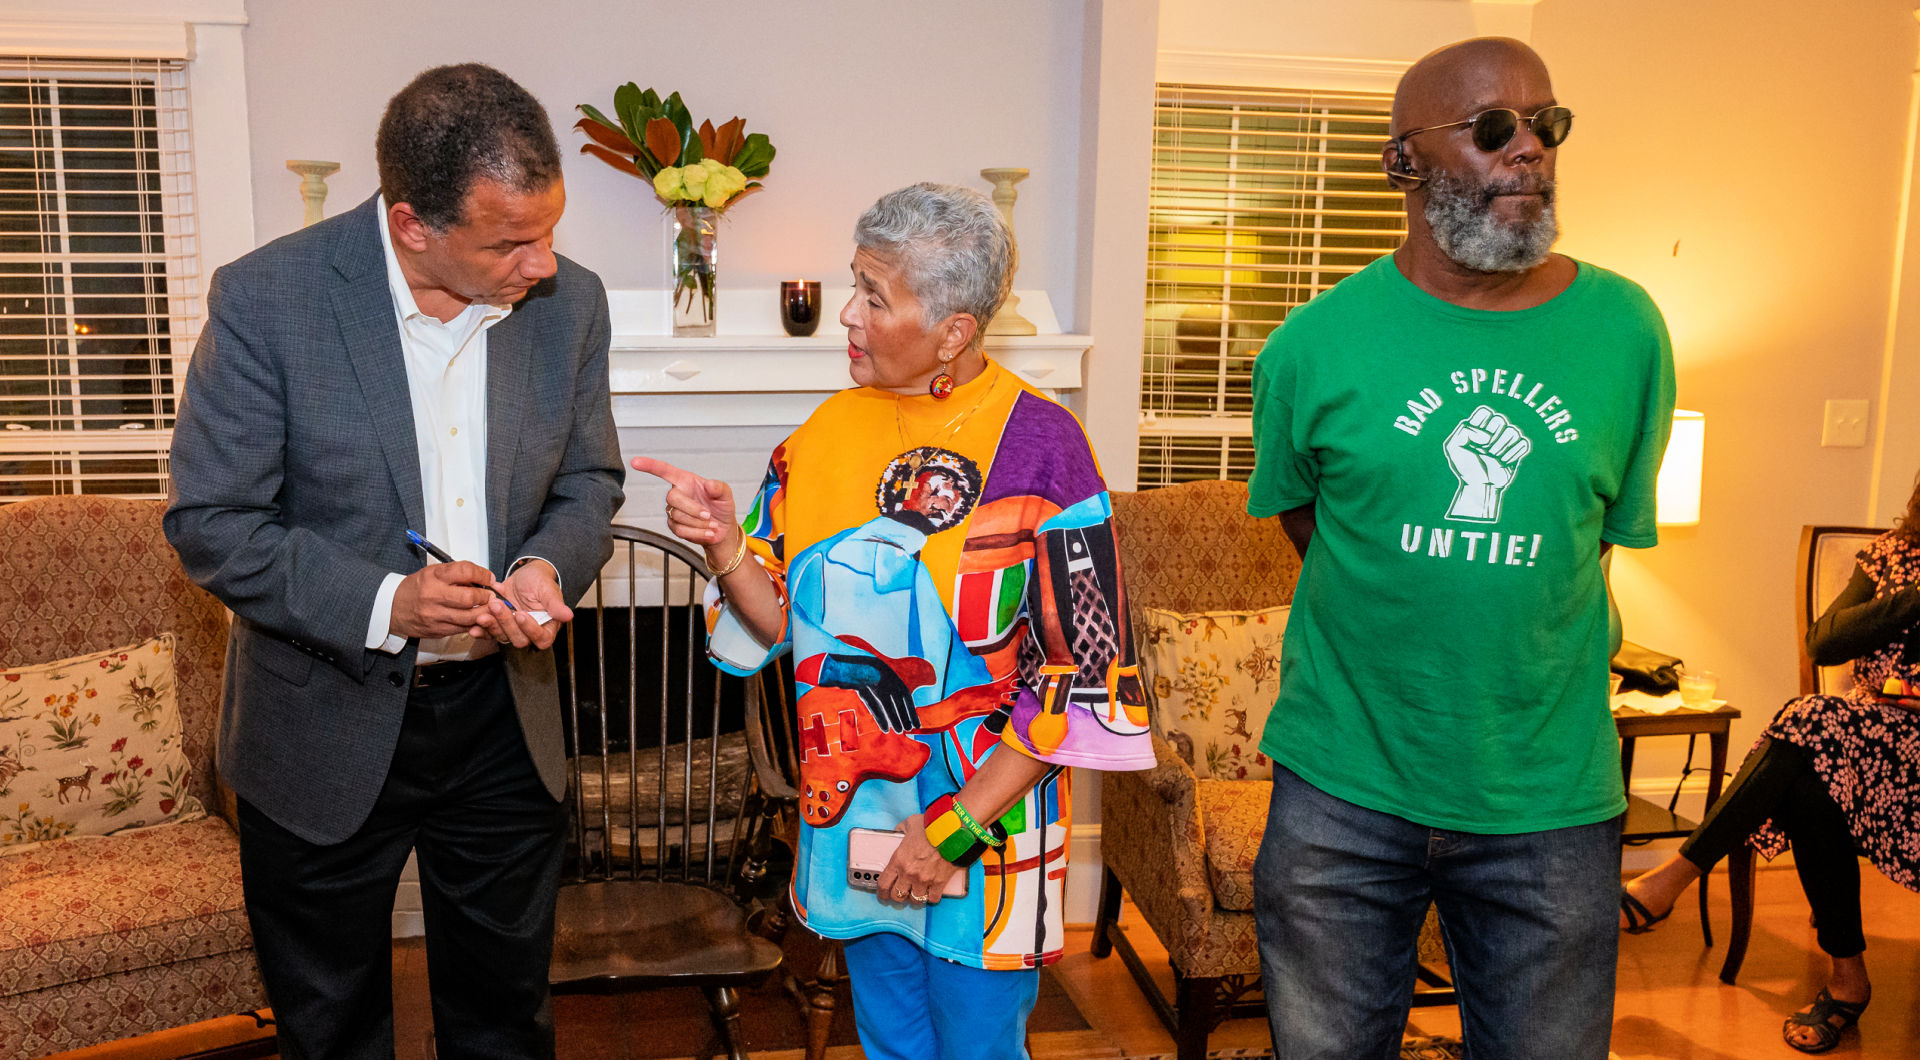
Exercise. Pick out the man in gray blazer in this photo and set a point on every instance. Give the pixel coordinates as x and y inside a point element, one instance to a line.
<point>424,362</point>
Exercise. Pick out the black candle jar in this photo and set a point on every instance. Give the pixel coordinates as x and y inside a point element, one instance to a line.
<point>800,306</point>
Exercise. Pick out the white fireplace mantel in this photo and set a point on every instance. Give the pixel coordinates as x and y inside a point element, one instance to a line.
<point>761,377</point>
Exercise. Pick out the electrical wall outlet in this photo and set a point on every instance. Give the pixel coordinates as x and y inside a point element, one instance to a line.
<point>1845,425</point>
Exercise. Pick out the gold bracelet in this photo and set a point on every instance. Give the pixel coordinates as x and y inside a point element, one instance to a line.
<point>738,558</point>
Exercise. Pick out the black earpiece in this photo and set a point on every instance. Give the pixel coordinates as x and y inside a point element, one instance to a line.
<point>1403,167</point>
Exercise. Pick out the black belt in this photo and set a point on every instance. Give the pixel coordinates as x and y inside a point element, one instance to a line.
<point>440,675</point>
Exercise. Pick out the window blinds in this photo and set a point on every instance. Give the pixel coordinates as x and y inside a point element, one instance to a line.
<point>1261,199</point>
<point>99,283</point>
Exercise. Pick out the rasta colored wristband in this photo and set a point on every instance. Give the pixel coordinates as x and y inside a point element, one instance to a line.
<point>973,826</point>
<point>950,835</point>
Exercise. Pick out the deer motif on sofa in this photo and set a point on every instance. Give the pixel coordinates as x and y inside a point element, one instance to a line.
<point>84,782</point>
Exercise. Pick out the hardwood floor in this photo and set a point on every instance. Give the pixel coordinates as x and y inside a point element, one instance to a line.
<point>1670,1004</point>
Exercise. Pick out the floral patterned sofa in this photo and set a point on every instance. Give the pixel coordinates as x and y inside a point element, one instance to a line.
<point>1206,590</point>
<point>103,937</point>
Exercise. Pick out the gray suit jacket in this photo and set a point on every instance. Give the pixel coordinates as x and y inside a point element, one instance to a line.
<point>295,477</point>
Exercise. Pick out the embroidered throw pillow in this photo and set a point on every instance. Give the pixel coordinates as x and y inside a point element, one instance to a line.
<point>1215,675</point>
<point>91,746</point>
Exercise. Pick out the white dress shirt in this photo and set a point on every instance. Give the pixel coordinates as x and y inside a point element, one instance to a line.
<point>447,381</point>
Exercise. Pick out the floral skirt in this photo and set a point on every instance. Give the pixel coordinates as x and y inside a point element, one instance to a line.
<point>1868,753</point>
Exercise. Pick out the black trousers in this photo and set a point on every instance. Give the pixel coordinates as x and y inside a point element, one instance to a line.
<point>1777,782</point>
<point>463,792</point>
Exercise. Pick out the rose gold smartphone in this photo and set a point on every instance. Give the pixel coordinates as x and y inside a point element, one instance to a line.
<point>869,850</point>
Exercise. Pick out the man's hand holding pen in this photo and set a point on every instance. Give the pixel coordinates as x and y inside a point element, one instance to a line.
<point>444,600</point>
<point>519,611</point>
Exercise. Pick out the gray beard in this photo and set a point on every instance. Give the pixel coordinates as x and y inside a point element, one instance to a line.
<point>1461,218</point>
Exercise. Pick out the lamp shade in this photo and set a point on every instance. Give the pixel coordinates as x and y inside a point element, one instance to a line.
<point>1678,492</point>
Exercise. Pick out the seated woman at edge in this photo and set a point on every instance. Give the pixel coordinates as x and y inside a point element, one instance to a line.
<point>1836,776</point>
<point>936,549</point>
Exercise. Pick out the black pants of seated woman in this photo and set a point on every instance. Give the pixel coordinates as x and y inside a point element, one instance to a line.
<point>1778,782</point>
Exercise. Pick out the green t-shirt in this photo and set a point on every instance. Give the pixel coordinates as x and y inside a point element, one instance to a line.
<point>1446,658</point>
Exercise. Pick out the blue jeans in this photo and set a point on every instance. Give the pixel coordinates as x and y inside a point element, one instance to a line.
<point>1530,922</point>
<point>911,1005</point>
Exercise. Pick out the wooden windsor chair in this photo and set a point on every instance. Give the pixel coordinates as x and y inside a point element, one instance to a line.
<point>675,856</point>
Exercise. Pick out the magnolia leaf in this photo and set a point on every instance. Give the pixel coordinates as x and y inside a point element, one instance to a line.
<point>626,98</point>
<point>618,161</point>
<point>592,112</point>
<point>627,106</point>
<point>607,135</point>
<point>727,141</point>
<point>756,156</point>
<point>707,139</point>
<point>663,141</point>
<point>676,112</point>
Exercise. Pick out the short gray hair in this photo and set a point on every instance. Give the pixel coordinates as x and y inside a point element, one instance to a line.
<point>953,248</point>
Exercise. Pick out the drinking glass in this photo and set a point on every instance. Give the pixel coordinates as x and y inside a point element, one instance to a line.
<point>1697,688</point>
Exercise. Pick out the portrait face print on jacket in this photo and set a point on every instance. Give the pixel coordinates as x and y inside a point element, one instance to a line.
<point>929,489</point>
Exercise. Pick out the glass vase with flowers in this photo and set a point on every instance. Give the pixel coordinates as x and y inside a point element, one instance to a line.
<point>696,172</point>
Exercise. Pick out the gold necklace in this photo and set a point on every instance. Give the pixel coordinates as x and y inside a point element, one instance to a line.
<point>946,430</point>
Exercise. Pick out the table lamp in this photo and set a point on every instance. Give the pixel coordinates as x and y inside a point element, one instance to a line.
<point>1676,497</point>
<point>1678,491</point>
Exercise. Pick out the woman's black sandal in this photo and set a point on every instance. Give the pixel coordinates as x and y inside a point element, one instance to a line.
<point>1640,919</point>
<point>1820,1019</point>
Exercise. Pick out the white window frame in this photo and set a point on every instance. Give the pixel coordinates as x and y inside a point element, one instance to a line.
<point>1253,71</point>
<point>206,35</point>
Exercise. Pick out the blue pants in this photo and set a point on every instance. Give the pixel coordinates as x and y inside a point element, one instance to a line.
<point>1530,922</point>
<point>911,1005</point>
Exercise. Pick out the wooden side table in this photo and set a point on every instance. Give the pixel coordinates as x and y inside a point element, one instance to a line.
<point>1648,820</point>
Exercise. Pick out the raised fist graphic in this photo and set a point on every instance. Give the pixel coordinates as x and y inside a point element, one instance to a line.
<point>1484,452</point>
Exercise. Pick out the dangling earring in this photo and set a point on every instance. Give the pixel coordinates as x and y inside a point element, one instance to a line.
<point>942,385</point>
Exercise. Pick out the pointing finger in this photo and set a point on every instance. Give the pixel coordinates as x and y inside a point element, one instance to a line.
<point>660,469</point>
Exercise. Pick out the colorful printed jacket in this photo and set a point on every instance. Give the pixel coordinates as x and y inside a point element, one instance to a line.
<point>948,566</point>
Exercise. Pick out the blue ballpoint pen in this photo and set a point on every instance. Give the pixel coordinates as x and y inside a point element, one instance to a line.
<point>440,554</point>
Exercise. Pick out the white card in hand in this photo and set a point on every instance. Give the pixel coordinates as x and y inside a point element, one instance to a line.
<point>540,616</point>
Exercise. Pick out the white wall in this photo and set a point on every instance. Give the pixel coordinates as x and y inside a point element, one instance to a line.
<point>1352,29</point>
<point>1897,453</point>
<point>858,96</point>
<point>1770,248</point>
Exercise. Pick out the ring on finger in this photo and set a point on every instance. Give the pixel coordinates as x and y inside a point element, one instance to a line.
<point>916,897</point>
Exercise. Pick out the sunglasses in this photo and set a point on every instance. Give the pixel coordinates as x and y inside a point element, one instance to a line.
<point>1494,129</point>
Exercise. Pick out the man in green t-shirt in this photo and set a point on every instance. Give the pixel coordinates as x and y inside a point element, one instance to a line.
<point>1452,437</point>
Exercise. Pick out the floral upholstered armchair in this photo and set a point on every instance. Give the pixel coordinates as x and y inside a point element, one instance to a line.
<point>120,900</point>
<point>1208,590</point>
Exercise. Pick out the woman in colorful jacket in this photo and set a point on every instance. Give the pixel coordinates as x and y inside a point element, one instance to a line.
<point>935,547</point>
